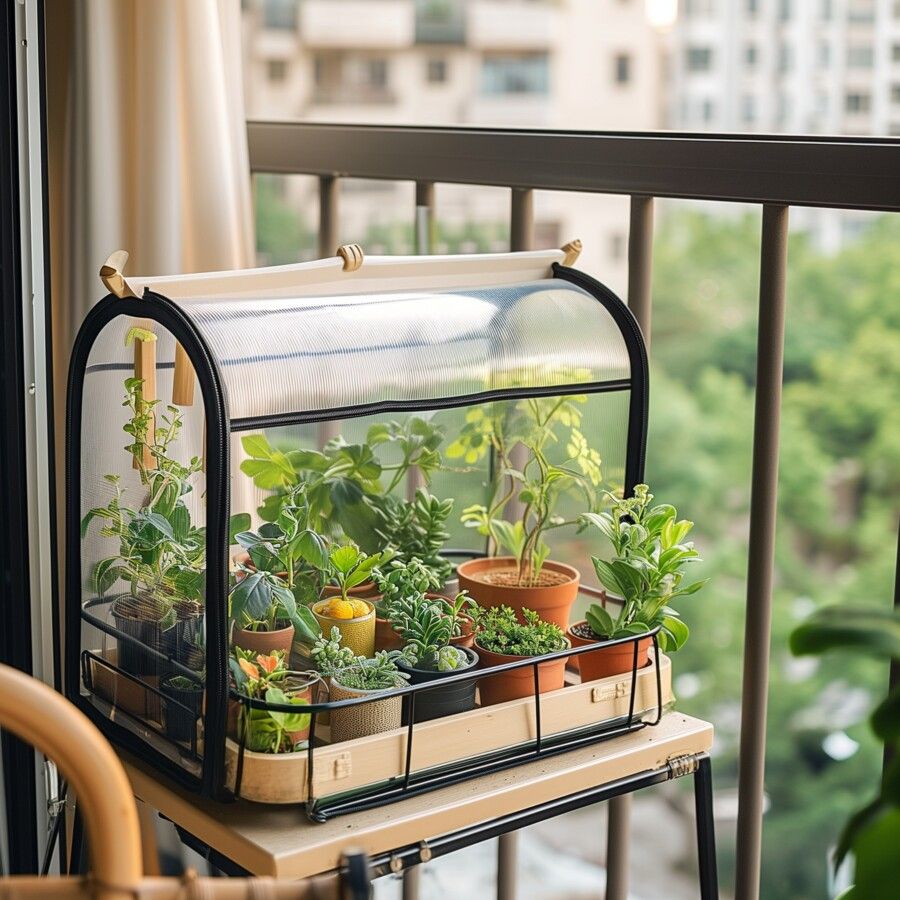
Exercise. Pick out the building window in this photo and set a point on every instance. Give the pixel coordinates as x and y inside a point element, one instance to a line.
<point>699,59</point>
<point>895,53</point>
<point>707,110</point>
<point>436,70</point>
<point>860,56</point>
<point>748,108</point>
<point>617,245</point>
<point>750,55</point>
<point>895,93</point>
<point>862,11</point>
<point>519,74</point>
<point>375,73</point>
<point>622,68</point>
<point>857,102</point>
<point>276,69</point>
<point>280,14</point>
<point>827,10</point>
<point>785,58</point>
<point>752,7</point>
<point>695,9</point>
<point>824,53</point>
<point>785,10</point>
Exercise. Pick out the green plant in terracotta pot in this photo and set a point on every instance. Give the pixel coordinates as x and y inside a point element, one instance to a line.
<point>400,580</point>
<point>367,678</point>
<point>266,677</point>
<point>646,574</point>
<point>426,631</point>
<point>525,576</point>
<point>501,638</point>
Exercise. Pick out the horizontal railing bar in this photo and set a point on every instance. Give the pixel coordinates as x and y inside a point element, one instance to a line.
<point>837,172</point>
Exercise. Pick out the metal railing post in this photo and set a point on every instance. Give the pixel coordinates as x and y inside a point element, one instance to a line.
<point>328,215</point>
<point>521,237</point>
<point>424,225</point>
<point>763,499</point>
<point>640,272</point>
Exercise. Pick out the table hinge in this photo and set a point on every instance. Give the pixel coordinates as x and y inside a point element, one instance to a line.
<point>682,764</point>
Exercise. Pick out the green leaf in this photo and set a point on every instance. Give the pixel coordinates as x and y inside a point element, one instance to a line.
<point>600,620</point>
<point>873,630</point>
<point>885,719</point>
<point>286,721</point>
<point>251,598</point>
<point>239,522</point>
<point>677,631</point>
<point>256,446</point>
<point>607,576</point>
<point>877,860</point>
<point>180,520</point>
<point>312,547</point>
<point>306,626</point>
<point>344,558</point>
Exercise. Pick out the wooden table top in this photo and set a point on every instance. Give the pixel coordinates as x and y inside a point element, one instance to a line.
<point>282,842</point>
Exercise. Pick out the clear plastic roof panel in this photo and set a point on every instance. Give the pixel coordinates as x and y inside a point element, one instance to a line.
<point>311,350</point>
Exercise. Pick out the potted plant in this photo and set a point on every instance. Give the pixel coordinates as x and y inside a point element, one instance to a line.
<point>266,677</point>
<point>400,580</point>
<point>525,577</point>
<point>160,552</point>
<point>502,638</point>
<point>279,573</point>
<point>367,678</point>
<point>646,574</point>
<point>428,655</point>
<point>180,715</point>
<point>344,481</point>
<point>351,567</point>
<point>417,529</point>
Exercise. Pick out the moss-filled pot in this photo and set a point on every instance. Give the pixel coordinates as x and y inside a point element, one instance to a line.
<point>492,581</point>
<point>180,716</point>
<point>517,683</point>
<point>439,701</point>
<point>606,661</point>
<point>351,722</point>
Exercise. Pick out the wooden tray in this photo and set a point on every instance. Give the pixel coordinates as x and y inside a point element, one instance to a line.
<point>281,778</point>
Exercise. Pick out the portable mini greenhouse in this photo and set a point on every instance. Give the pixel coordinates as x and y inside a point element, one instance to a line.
<point>292,357</point>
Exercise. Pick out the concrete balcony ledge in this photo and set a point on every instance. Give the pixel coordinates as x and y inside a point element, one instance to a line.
<point>375,24</point>
<point>488,24</point>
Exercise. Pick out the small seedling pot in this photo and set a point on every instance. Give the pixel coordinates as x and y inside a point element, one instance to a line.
<point>439,701</point>
<point>358,634</point>
<point>264,642</point>
<point>491,582</point>
<point>604,662</point>
<point>353,722</point>
<point>517,683</point>
<point>180,717</point>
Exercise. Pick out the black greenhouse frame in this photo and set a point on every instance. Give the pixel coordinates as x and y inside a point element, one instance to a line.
<point>219,426</point>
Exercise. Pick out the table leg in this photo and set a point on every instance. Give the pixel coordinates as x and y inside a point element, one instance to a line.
<point>507,861</point>
<point>411,883</point>
<point>706,832</point>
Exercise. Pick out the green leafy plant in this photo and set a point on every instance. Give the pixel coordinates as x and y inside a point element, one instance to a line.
<point>377,674</point>
<point>287,567</point>
<point>351,567</point>
<point>537,424</point>
<point>500,631</point>
<point>403,580</point>
<point>343,481</point>
<point>646,570</point>
<point>426,629</point>
<point>873,833</point>
<point>161,553</point>
<point>262,677</point>
<point>417,529</point>
<point>329,656</point>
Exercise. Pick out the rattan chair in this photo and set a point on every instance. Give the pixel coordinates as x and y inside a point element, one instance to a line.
<point>38,715</point>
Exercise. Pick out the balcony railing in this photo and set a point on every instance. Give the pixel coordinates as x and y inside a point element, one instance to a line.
<point>775,172</point>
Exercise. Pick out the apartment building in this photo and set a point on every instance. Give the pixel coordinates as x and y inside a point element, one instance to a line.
<point>792,67</point>
<point>588,64</point>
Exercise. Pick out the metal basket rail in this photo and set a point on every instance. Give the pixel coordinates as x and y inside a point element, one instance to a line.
<point>411,783</point>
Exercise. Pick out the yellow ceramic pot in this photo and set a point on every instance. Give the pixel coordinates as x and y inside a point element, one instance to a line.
<point>358,633</point>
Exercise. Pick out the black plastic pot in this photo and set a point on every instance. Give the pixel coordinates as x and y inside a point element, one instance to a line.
<point>135,659</point>
<point>181,716</point>
<point>440,701</point>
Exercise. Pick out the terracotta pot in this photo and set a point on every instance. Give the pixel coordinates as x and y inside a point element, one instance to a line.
<point>518,682</point>
<point>264,642</point>
<point>365,591</point>
<point>605,662</point>
<point>551,602</point>
<point>364,719</point>
<point>385,636</point>
<point>465,640</point>
<point>358,634</point>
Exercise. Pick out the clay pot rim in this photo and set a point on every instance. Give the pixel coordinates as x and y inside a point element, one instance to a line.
<point>266,631</point>
<point>370,614</point>
<point>513,658</point>
<point>470,653</point>
<point>510,562</point>
<point>636,638</point>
